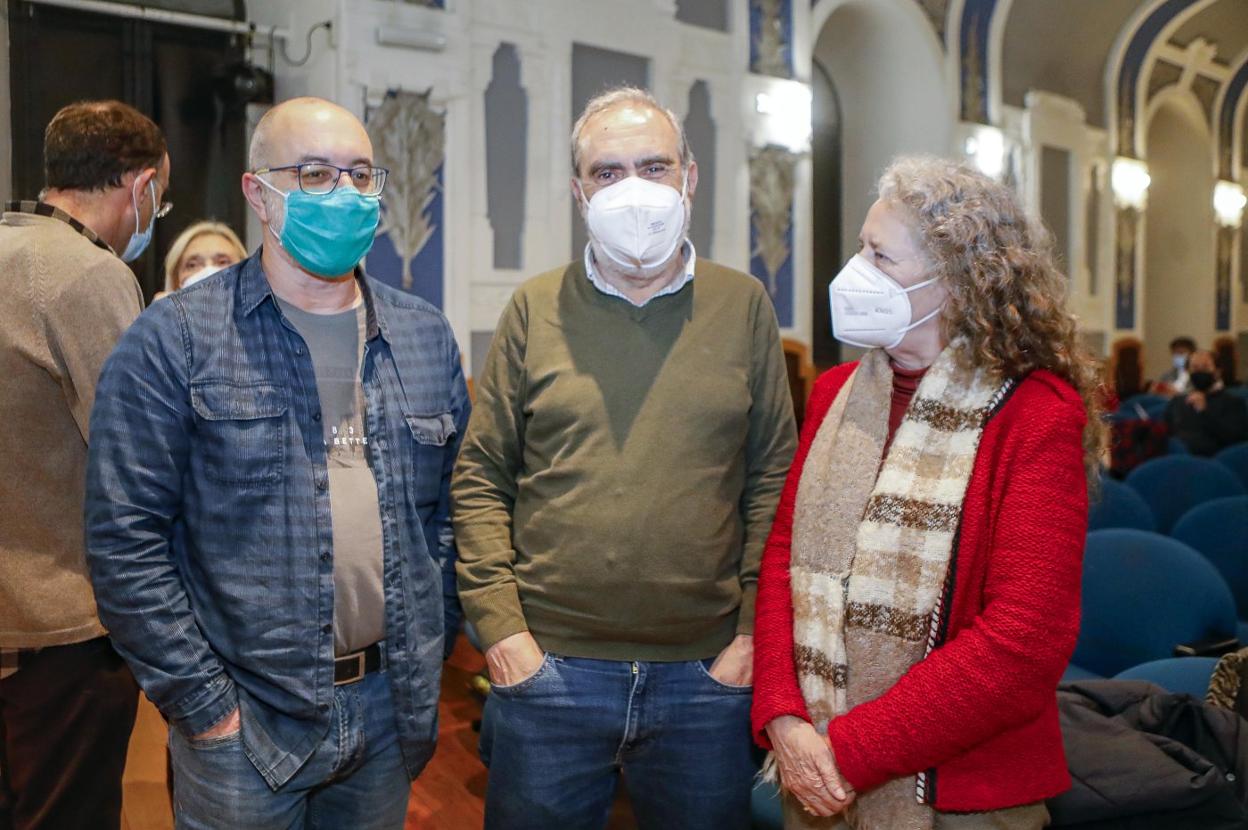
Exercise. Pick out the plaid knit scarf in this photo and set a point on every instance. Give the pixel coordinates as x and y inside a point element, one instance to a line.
<point>872,544</point>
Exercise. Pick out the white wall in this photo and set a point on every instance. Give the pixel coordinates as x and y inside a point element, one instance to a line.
<point>1179,275</point>
<point>356,69</point>
<point>890,74</point>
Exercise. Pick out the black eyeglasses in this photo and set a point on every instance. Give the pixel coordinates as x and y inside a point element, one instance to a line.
<point>321,179</point>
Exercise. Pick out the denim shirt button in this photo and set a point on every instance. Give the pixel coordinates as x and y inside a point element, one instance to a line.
<point>321,484</point>
<point>328,628</point>
<point>325,557</point>
<point>316,416</point>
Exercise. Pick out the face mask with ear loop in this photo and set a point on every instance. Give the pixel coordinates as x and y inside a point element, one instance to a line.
<point>327,234</point>
<point>637,223</point>
<point>139,240</point>
<point>869,308</point>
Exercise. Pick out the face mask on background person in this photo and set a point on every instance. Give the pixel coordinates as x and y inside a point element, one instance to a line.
<point>1202,381</point>
<point>206,271</point>
<point>1179,361</point>
<point>869,308</point>
<point>328,235</point>
<point>637,223</point>
<point>139,240</point>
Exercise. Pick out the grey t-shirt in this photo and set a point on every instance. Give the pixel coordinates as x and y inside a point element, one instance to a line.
<point>336,345</point>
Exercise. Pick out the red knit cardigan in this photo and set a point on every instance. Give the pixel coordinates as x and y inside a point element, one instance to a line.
<point>978,714</point>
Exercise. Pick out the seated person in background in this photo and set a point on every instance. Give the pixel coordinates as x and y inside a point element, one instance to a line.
<point>202,249</point>
<point>1174,381</point>
<point>1207,419</point>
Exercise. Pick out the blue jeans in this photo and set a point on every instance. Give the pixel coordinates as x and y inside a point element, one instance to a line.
<point>556,743</point>
<point>355,777</point>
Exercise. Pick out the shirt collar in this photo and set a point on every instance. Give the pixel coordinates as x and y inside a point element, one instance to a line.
<point>254,289</point>
<point>687,249</point>
<point>53,212</point>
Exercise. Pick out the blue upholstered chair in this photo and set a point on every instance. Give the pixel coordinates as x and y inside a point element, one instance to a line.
<point>1144,594</point>
<point>1235,458</point>
<point>1117,505</point>
<point>1152,405</point>
<point>1179,675</point>
<point>765,811</point>
<point>1175,484</point>
<point>1218,530</point>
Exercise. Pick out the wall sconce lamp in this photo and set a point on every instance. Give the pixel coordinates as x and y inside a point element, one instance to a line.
<point>985,147</point>
<point>784,107</point>
<point>1129,180</point>
<point>1228,203</point>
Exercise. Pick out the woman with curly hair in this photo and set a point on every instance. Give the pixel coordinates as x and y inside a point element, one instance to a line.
<point>919,593</point>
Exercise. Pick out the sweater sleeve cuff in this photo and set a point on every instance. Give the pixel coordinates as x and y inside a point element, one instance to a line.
<point>496,614</point>
<point>760,717</point>
<point>745,616</point>
<point>853,767</point>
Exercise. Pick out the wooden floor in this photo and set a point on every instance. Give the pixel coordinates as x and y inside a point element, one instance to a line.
<point>449,795</point>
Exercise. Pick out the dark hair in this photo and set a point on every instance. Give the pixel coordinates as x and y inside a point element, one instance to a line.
<point>91,145</point>
<point>1125,369</point>
<point>1183,343</point>
<point>1225,356</point>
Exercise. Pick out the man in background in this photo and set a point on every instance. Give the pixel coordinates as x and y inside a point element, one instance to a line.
<point>1208,418</point>
<point>67,701</point>
<point>1174,381</point>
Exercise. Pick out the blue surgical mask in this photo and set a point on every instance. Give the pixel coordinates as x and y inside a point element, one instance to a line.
<point>139,240</point>
<point>1179,362</point>
<point>328,235</point>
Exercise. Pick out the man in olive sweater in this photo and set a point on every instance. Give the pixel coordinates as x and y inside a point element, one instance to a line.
<point>632,431</point>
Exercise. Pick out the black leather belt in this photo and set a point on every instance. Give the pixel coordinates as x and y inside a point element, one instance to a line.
<point>351,668</point>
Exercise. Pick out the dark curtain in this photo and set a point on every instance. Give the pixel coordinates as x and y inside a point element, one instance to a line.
<point>171,73</point>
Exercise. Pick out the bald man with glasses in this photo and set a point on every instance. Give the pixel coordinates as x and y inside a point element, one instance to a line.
<point>268,504</point>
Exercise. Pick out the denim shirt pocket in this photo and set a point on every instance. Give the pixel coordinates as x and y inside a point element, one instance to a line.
<point>241,432</point>
<point>431,436</point>
<point>432,430</point>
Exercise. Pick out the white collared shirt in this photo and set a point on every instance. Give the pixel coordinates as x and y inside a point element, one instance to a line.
<point>610,290</point>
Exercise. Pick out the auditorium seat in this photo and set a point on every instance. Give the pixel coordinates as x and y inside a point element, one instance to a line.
<point>1117,505</point>
<point>1154,406</point>
<point>765,810</point>
<point>1218,531</point>
<point>1179,675</point>
<point>1235,458</point>
<point>1176,483</point>
<point>1144,594</point>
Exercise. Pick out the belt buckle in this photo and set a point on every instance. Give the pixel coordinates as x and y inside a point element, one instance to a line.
<point>359,667</point>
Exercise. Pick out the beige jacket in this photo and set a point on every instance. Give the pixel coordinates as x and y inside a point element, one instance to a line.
<point>66,300</point>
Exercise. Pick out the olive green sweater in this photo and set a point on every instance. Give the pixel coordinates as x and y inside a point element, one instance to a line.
<point>622,467</point>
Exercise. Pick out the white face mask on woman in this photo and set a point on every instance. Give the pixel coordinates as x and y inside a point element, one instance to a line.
<point>869,308</point>
<point>637,224</point>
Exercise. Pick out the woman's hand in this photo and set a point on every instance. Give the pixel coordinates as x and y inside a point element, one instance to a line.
<point>807,766</point>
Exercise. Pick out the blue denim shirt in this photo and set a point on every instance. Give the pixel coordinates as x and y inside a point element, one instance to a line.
<point>208,519</point>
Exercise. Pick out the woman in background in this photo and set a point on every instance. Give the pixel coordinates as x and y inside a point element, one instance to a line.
<point>199,251</point>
